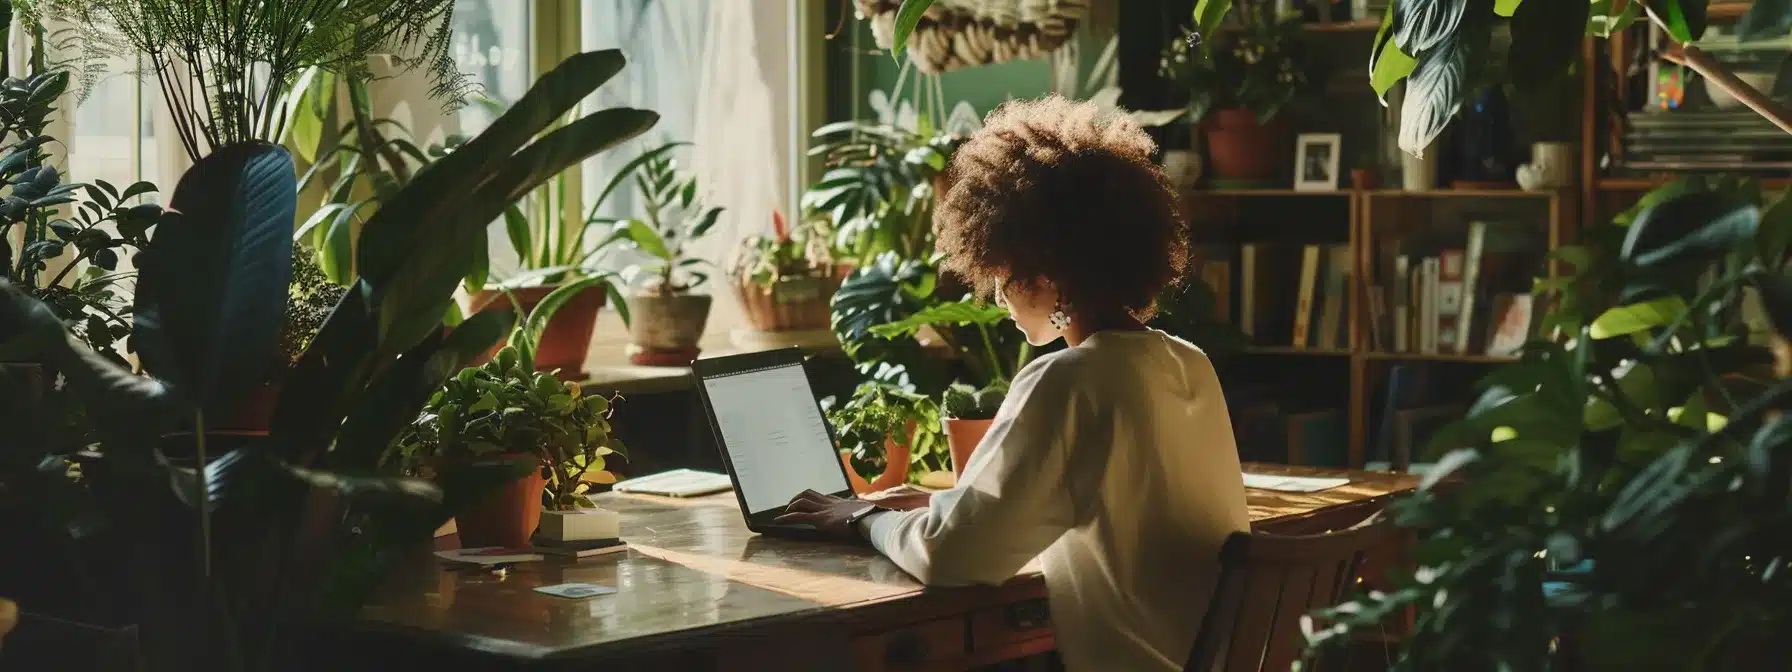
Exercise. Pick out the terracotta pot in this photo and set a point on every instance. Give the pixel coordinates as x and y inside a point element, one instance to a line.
<point>254,412</point>
<point>792,304</point>
<point>665,328</point>
<point>895,469</point>
<point>962,437</point>
<point>567,339</point>
<point>1240,149</point>
<point>505,515</point>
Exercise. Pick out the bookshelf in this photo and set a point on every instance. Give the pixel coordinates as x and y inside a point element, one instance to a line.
<point>1352,373</point>
<point>1363,224</point>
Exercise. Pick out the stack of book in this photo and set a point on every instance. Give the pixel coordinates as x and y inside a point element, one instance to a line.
<point>1693,139</point>
<point>1459,300</point>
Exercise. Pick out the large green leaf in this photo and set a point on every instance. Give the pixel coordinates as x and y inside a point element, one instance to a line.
<point>394,398</point>
<point>1388,64</point>
<point>888,290</point>
<point>1638,317</point>
<point>956,314</point>
<point>1766,19</point>
<point>416,299</point>
<point>1684,19</point>
<point>1507,7</point>
<point>908,15</point>
<point>1693,227</point>
<point>211,290</point>
<point>400,229</point>
<point>1546,41</point>
<point>1208,16</point>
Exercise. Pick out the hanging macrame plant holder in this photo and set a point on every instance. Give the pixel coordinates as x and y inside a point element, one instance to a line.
<point>955,34</point>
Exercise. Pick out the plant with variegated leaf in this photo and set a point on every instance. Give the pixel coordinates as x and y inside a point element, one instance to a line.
<point>673,216</point>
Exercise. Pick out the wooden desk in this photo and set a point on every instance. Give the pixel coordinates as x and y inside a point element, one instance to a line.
<point>697,590</point>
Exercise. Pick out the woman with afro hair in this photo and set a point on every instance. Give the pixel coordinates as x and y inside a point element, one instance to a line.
<point>1113,460</point>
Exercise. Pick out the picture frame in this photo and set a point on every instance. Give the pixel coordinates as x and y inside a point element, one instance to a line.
<point>1316,161</point>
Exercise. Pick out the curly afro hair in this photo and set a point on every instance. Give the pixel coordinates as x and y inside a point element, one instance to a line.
<point>1063,191</point>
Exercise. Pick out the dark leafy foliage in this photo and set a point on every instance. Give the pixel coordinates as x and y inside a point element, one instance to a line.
<point>282,531</point>
<point>1639,444</point>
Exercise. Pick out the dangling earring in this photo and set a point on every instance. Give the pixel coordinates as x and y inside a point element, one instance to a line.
<point>1060,320</point>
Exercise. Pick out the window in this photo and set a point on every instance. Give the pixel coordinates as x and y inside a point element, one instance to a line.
<point>105,144</point>
<point>491,43</point>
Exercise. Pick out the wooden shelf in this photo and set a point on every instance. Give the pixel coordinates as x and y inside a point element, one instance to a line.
<point>1728,10</point>
<point>1303,352</point>
<point>1647,183</point>
<point>1463,193</point>
<point>1357,26</point>
<point>1248,193</point>
<point>1440,357</point>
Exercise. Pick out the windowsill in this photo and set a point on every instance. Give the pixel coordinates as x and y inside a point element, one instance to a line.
<point>607,366</point>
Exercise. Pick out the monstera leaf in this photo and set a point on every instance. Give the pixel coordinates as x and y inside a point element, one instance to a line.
<point>211,290</point>
<point>888,291</point>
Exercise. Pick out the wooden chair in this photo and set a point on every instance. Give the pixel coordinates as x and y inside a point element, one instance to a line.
<point>1267,582</point>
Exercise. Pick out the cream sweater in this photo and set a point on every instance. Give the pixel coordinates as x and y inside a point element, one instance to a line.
<point>1113,462</point>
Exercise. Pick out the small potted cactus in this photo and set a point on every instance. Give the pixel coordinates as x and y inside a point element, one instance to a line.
<point>967,413</point>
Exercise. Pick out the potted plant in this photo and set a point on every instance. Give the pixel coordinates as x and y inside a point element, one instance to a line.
<point>1616,498</point>
<point>1239,81</point>
<point>878,193</point>
<point>784,282</point>
<point>889,432</point>
<point>668,318</point>
<point>296,530</point>
<point>505,411</point>
<point>967,413</point>
<point>556,251</point>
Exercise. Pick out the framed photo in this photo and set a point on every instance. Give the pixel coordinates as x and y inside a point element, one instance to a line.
<point>1316,162</point>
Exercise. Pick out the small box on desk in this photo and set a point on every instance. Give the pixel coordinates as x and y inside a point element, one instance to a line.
<point>579,525</point>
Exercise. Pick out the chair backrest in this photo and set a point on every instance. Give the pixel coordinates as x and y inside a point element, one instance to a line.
<point>1266,584</point>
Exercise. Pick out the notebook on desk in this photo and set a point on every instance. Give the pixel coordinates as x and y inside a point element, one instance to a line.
<point>676,483</point>
<point>1291,483</point>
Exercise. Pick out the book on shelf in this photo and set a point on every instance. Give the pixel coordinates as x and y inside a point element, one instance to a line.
<point>1303,307</point>
<point>1451,297</point>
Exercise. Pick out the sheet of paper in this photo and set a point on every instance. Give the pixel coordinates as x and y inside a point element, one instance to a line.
<point>576,591</point>
<point>1291,483</point>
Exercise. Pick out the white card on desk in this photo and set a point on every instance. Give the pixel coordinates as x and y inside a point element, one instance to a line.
<point>1292,483</point>
<point>575,591</point>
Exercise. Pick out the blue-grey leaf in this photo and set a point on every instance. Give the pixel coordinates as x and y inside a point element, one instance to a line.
<point>1433,94</point>
<point>211,294</point>
<point>1421,25</point>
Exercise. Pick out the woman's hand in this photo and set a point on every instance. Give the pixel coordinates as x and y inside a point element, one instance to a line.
<point>832,516</point>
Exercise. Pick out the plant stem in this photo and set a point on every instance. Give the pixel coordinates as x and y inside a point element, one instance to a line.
<point>202,488</point>
<point>989,347</point>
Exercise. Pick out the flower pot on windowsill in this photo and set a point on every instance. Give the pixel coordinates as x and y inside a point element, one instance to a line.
<point>665,328</point>
<point>1240,150</point>
<point>567,339</point>
<point>895,469</point>
<point>505,515</point>
<point>796,303</point>
<point>962,437</point>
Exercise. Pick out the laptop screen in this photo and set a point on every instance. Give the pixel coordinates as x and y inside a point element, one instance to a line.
<point>775,435</point>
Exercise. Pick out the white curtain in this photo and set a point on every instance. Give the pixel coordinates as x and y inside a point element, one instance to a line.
<point>742,130</point>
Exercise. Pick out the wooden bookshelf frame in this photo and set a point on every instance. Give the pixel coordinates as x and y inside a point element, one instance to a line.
<point>1561,223</point>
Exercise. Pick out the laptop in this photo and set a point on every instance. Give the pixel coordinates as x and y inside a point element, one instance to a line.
<point>774,439</point>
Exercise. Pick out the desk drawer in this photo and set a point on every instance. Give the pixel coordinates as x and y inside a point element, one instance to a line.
<point>1010,624</point>
<point>915,647</point>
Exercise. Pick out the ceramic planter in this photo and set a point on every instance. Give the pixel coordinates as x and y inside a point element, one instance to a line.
<point>505,515</point>
<point>962,437</point>
<point>1551,167</point>
<point>1242,151</point>
<point>665,328</point>
<point>567,339</point>
<point>895,469</point>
